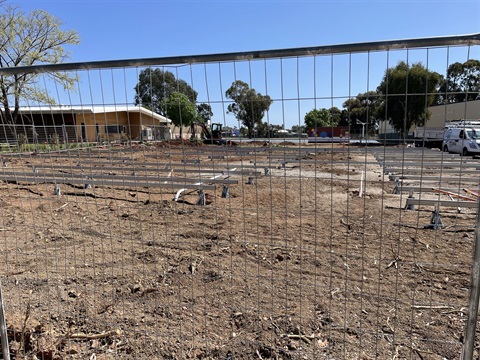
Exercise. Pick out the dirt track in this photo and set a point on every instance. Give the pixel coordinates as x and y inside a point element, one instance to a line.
<point>296,266</point>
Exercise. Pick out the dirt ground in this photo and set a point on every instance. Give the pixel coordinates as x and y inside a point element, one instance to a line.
<point>294,266</point>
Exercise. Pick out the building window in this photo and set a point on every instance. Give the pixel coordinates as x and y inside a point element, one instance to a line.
<point>115,129</point>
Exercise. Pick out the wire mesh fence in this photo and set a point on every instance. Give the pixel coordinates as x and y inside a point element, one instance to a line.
<point>124,238</point>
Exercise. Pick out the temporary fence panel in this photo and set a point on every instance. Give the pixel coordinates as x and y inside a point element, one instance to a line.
<point>124,238</point>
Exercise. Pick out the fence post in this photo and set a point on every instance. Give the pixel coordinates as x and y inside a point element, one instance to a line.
<point>470,328</point>
<point>3,328</point>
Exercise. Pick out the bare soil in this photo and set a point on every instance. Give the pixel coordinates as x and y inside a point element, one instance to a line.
<point>294,266</point>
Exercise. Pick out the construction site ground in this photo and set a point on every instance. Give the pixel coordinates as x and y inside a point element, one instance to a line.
<point>295,265</point>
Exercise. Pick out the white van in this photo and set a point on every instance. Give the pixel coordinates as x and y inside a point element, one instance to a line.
<point>462,139</point>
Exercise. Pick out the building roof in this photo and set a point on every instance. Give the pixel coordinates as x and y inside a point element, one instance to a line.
<point>59,109</point>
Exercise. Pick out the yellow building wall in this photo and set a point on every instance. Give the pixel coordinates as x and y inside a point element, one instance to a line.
<point>138,120</point>
<point>91,126</point>
<point>186,132</point>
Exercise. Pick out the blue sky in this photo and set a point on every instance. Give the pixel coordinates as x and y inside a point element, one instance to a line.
<point>157,28</point>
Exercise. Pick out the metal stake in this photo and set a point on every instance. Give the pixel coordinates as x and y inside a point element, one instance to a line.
<point>226,192</point>
<point>410,206</point>
<point>201,198</point>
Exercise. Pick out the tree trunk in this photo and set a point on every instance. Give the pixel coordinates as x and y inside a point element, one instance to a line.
<point>8,121</point>
<point>193,132</point>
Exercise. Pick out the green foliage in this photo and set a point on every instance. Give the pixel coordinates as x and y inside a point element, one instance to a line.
<point>195,141</point>
<point>320,118</point>
<point>155,86</point>
<point>26,40</point>
<point>336,115</point>
<point>54,139</point>
<point>249,106</point>
<point>124,138</point>
<point>26,147</point>
<point>363,107</point>
<point>204,112</point>
<point>406,92</point>
<point>22,139</point>
<point>265,130</point>
<point>344,118</point>
<point>462,82</point>
<point>298,129</point>
<point>180,110</point>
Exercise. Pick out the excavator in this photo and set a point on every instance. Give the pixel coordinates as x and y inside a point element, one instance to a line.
<point>212,134</point>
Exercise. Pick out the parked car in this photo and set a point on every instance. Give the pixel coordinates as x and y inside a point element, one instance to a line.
<point>462,139</point>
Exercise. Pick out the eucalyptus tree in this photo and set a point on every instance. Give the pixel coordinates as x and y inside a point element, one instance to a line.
<point>462,82</point>
<point>248,105</point>
<point>404,95</point>
<point>30,39</point>
<point>155,86</point>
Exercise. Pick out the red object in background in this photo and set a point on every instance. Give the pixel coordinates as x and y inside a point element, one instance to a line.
<point>328,131</point>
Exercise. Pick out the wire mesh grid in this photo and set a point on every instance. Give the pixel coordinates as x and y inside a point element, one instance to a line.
<point>122,238</point>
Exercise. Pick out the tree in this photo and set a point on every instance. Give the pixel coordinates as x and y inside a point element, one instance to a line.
<point>263,129</point>
<point>249,106</point>
<point>363,107</point>
<point>298,129</point>
<point>227,130</point>
<point>243,131</point>
<point>344,118</point>
<point>180,110</point>
<point>266,130</point>
<point>321,118</point>
<point>155,86</point>
<point>406,93</point>
<point>204,112</point>
<point>336,115</point>
<point>25,40</point>
<point>462,82</point>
